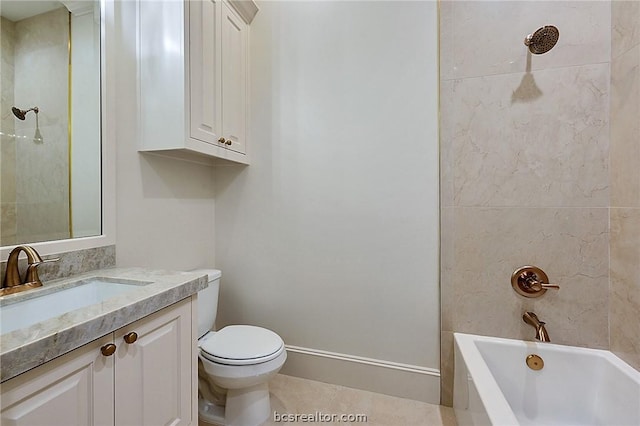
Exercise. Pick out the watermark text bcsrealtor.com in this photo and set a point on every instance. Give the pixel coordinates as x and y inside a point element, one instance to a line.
<point>318,417</point>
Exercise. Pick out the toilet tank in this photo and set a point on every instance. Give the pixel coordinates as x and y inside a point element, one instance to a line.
<point>208,301</point>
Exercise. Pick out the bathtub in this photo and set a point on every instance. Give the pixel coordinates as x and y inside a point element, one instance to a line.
<point>494,386</point>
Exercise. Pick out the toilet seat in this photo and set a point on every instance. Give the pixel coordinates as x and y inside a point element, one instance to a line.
<point>241,345</point>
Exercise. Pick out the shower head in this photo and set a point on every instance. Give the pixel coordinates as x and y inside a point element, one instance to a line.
<point>542,40</point>
<point>22,113</point>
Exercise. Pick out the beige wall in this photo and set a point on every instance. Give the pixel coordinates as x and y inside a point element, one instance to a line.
<point>165,207</point>
<point>330,236</point>
<point>525,171</point>
<point>625,182</point>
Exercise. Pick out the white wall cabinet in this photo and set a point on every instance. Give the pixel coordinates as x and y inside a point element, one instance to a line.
<point>150,381</point>
<point>192,73</point>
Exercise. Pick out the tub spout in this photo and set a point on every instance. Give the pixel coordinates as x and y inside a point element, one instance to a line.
<point>541,332</point>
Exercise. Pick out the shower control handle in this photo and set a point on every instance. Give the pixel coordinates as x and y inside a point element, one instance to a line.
<point>531,281</point>
<point>537,286</point>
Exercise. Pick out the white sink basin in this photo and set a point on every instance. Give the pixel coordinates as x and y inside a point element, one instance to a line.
<point>86,293</point>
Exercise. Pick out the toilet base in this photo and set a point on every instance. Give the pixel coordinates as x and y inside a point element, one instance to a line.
<point>248,406</point>
<point>244,407</point>
<point>210,414</point>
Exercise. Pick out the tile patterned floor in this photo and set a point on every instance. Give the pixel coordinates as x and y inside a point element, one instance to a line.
<point>291,395</point>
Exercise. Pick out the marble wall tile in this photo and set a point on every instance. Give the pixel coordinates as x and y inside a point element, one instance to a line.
<point>625,182</point>
<point>486,37</point>
<point>7,142</point>
<point>8,166</point>
<point>446,368</point>
<point>7,223</point>
<point>7,58</point>
<point>447,134</point>
<point>42,143</point>
<point>625,129</point>
<point>42,221</point>
<point>447,267</point>
<point>537,139</point>
<point>43,163</point>
<point>625,285</point>
<point>7,28</point>
<point>625,26</point>
<point>524,169</point>
<point>570,245</point>
<point>447,31</point>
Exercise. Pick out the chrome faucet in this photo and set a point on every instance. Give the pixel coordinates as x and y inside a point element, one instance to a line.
<point>541,332</point>
<point>12,282</point>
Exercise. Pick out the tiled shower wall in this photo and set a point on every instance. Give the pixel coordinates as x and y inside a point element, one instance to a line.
<point>42,182</point>
<point>524,170</point>
<point>7,143</point>
<point>625,182</point>
<point>35,181</point>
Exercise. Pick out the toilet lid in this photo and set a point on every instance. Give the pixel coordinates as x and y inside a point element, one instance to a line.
<point>242,345</point>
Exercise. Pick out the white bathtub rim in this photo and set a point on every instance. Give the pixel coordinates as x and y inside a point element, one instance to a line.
<point>496,406</point>
<point>602,353</point>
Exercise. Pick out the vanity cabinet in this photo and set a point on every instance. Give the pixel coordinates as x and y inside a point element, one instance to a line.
<point>150,381</point>
<point>193,77</point>
<point>154,373</point>
<point>74,389</point>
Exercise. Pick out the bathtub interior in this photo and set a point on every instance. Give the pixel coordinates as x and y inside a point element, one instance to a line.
<point>577,386</point>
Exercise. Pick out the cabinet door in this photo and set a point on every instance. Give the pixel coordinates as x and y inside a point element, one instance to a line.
<point>204,90</point>
<point>160,51</point>
<point>153,375</point>
<point>74,389</point>
<point>234,78</point>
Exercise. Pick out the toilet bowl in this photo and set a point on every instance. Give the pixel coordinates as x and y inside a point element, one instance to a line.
<point>238,361</point>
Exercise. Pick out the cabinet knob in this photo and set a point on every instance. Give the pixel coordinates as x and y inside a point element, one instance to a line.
<point>222,140</point>
<point>131,337</point>
<point>228,142</point>
<point>108,349</point>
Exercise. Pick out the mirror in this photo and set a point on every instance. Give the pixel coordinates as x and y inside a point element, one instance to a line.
<point>50,110</point>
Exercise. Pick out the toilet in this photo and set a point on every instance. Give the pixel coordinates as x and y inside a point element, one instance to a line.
<point>236,365</point>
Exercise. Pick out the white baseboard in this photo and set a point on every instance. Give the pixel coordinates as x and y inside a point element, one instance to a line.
<point>374,375</point>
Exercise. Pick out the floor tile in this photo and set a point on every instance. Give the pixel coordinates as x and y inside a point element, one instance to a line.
<point>319,401</point>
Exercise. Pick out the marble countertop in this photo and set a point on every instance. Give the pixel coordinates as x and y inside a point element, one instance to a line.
<point>29,347</point>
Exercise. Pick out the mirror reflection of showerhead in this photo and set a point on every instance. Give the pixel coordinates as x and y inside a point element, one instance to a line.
<point>542,40</point>
<point>21,114</point>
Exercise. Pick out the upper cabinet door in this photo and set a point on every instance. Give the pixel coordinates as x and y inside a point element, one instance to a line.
<point>204,70</point>
<point>161,75</point>
<point>196,51</point>
<point>234,78</point>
